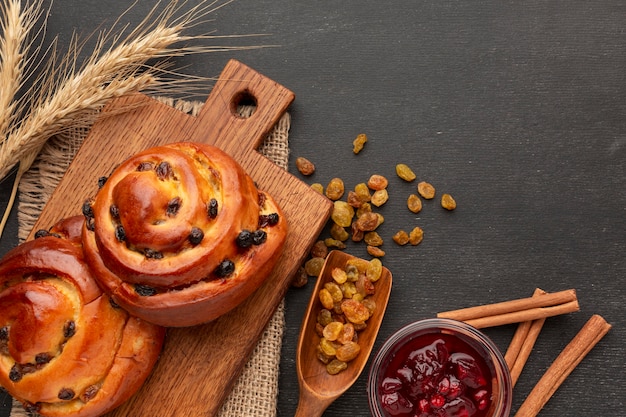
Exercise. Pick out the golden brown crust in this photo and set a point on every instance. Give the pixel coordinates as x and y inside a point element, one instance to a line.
<point>64,346</point>
<point>163,226</point>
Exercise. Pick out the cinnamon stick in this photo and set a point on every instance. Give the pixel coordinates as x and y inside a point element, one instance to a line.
<point>591,333</point>
<point>516,311</point>
<point>522,344</point>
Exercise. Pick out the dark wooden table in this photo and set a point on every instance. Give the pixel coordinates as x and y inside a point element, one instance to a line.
<point>516,109</point>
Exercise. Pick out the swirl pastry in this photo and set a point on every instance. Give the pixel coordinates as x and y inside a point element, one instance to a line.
<point>65,348</point>
<point>179,234</point>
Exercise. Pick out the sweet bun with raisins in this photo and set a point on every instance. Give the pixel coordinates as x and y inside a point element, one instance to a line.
<point>179,234</point>
<point>65,348</point>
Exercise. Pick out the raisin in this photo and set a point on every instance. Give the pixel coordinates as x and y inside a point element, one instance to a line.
<point>375,251</point>
<point>152,254</point>
<point>145,290</point>
<point>120,233</point>
<point>262,197</point>
<point>359,142</point>
<point>318,187</point>
<point>339,275</point>
<point>319,250</point>
<point>348,351</point>
<point>195,236</point>
<point>334,290</point>
<point>354,311</point>
<point>335,366</point>
<point>42,358</point>
<point>401,238</point>
<point>313,266</point>
<point>211,207</point>
<point>102,181</point>
<point>305,166</point>
<point>426,190</point>
<point>164,171</point>
<point>334,243</point>
<point>225,268</point>
<point>380,197</point>
<point>448,202</point>
<point>173,206</point>
<point>69,329</point>
<point>414,203</point>
<point>90,223</point>
<point>326,299</point>
<point>342,213</point>
<point>367,222</point>
<point>324,317</point>
<point>373,239</point>
<point>4,334</point>
<point>347,335</point>
<point>377,182</point>
<point>145,166</point>
<point>300,279</point>
<point>339,233</point>
<point>87,209</point>
<point>113,303</point>
<point>374,270</point>
<point>15,374</point>
<point>89,393</point>
<point>66,394</point>
<point>268,219</point>
<point>335,189</point>
<point>416,235</point>
<point>405,172</point>
<point>259,237</point>
<point>332,330</point>
<point>362,192</point>
<point>41,233</point>
<point>114,211</point>
<point>244,239</point>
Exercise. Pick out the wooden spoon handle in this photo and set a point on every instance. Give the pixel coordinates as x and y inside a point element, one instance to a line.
<point>311,404</point>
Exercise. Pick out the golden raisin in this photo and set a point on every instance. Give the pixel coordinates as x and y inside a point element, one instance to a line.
<point>380,197</point>
<point>318,187</point>
<point>377,182</point>
<point>324,317</point>
<point>373,239</point>
<point>347,334</point>
<point>414,203</point>
<point>335,189</point>
<point>364,208</point>
<point>405,172</point>
<point>339,275</point>
<point>359,143</point>
<point>334,243</point>
<point>300,279</point>
<point>335,366</point>
<point>348,351</point>
<point>401,238</point>
<point>333,330</point>
<point>362,191</point>
<point>416,235</point>
<point>319,250</point>
<point>305,166</point>
<point>313,266</point>
<point>354,311</point>
<point>361,264</point>
<point>328,347</point>
<point>334,290</point>
<point>367,222</point>
<point>370,304</point>
<point>375,251</point>
<point>448,202</point>
<point>342,213</point>
<point>374,270</point>
<point>326,299</point>
<point>426,190</point>
<point>339,233</point>
<point>353,199</point>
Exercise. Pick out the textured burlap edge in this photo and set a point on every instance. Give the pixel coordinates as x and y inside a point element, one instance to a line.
<point>256,390</point>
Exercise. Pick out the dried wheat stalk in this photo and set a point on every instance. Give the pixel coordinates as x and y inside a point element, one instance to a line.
<point>65,94</point>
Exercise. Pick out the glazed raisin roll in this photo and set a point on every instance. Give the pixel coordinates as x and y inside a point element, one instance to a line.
<point>179,234</point>
<point>65,348</point>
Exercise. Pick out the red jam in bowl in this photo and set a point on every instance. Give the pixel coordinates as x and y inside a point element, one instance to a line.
<point>440,368</point>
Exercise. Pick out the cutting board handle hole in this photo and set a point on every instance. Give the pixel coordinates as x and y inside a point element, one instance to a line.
<point>243,99</point>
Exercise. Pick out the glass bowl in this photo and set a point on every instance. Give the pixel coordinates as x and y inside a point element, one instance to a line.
<point>439,367</point>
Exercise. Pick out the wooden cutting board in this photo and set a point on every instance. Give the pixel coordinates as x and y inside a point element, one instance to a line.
<point>199,365</point>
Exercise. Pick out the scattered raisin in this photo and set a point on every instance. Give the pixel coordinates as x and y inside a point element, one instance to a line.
<point>300,279</point>
<point>414,203</point>
<point>377,182</point>
<point>318,187</point>
<point>334,243</point>
<point>405,172</point>
<point>335,189</point>
<point>342,213</point>
<point>305,166</point>
<point>313,266</point>
<point>448,202</point>
<point>359,142</point>
<point>416,235</point>
<point>339,233</point>
<point>367,222</point>
<point>380,197</point>
<point>373,239</point>
<point>426,190</point>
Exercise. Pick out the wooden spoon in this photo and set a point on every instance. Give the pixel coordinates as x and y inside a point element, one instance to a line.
<point>318,389</point>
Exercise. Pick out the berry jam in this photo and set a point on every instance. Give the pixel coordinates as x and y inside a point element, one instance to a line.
<point>439,372</point>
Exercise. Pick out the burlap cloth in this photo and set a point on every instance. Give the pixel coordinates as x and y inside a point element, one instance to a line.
<point>256,390</point>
